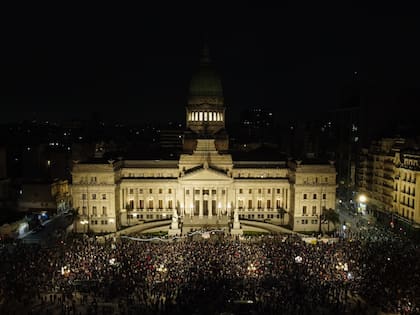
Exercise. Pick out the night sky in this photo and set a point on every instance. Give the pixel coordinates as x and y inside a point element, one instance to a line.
<point>68,62</point>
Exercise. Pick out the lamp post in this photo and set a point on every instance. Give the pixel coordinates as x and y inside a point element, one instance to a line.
<point>362,203</point>
<point>84,223</point>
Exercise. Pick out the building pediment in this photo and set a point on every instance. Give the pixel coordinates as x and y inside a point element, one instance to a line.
<point>208,174</point>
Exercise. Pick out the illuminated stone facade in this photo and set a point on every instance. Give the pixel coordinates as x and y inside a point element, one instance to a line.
<point>205,187</point>
<point>388,174</point>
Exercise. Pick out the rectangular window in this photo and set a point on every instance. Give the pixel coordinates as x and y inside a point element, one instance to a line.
<point>131,204</point>
<point>305,196</point>
<point>103,210</point>
<point>170,204</point>
<point>278,190</point>
<point>269,191</point>
<point>259,191</point>
<point>94,196</point>
<point>160,204</point>
<point>304,210</point>
<point>278,204</point>
<point>324,196</point>
<point>250,204</point>
<point>94,211</point>
<point>313,210</point>
<point>169,191</point>
<point>197,191</point>
<point>240,204</point>
<point>240,191</point>
<point>250,191</point>
<point>187,192</point>
<point>314,196</point>
<point>223,192</point>
<point>103,196</point>
<point>205,192</point>
<point>83,196</point>
<point>160,190</point>
<point>259,203</point>
<point>150,191</point>
<point>131,191</point>
<point>151,204</point>
<point>268,204</point>
<point>213,192</point>
<point>140,191</point>
<point>141,204</point>
<point>84,210</point>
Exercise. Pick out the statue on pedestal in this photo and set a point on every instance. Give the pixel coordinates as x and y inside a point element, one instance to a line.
<point>175,219</point>
<point>236,216</point>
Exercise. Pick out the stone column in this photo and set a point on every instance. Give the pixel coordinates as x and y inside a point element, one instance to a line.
<point>209,202</point>
<point>121,198</point>
<point>200,213</point>
<point>136,199</point>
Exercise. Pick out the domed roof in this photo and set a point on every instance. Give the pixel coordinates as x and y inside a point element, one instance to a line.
<point>206,82</point>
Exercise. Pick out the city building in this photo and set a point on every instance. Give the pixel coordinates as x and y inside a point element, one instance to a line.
<point>388,175</point>
<point>206,186</point>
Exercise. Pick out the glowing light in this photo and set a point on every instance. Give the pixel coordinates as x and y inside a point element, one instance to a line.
<point>162,268</point>
<point>65,270</point>
<point>362,198</point>
<point>298,259</point>
<point>251,268</point>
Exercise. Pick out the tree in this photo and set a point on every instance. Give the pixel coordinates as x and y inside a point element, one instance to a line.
<point>331,216</point>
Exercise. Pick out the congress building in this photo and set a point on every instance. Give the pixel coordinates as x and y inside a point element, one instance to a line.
<point>206,187</point>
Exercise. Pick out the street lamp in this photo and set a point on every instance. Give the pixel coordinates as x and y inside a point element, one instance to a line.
<point>84,222</point>
<point>362,203</point>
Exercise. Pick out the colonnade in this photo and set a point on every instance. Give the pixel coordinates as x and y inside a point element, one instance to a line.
<point>205,116</point>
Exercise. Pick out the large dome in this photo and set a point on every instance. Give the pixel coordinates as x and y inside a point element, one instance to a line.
<point>206,82</point>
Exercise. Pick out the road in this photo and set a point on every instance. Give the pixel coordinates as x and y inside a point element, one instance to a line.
<point>52,230</point>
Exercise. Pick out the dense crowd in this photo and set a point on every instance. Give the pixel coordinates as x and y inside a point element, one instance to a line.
<point>264,275</point>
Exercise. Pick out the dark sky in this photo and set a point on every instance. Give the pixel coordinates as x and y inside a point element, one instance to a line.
<point>67,62</point>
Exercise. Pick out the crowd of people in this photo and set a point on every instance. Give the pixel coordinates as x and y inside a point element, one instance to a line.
<point>269,274</point>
